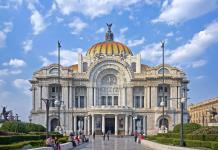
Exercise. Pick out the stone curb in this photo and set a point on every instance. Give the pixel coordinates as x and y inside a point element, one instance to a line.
<point>158,146</point>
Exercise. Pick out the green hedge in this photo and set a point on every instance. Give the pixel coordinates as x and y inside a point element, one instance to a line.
<point>214,145</point>
<point>19,138</point>
<point>209,137</point>
<point>21,127</point>
<point>63,139</point>
<point>19,145</point>
<point>188,127</point>
<point>206,130</point>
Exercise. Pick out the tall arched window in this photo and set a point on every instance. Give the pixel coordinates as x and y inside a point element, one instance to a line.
<point>166,71</point>
<point>85,66</point>
<point>133,65</point>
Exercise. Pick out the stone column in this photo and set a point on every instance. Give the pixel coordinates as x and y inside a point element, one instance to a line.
<point>93,123</point>
<point>73,97</point>
<point>130,125</point>
<point>145,98</point>
<point>95,92</point>
<point>145,125</point>
<point>154,96</point>
<point>133,125</point>
<point>85,125</point>
<point>89,125</point>
<point>129,97</point>
<point>103,123</point>
<point>44,95</point>
<point>75,123</point>
<point>70,97</point>
<point>126,125</point>
<point>148,97</point>
<point>116,123</point>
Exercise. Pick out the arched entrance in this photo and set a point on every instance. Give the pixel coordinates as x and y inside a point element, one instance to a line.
<point>164,122</point>
<point>54,123</point>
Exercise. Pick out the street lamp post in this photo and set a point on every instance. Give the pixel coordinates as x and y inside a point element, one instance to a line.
<point>47,104</point>
<point>163,87</point>
<point>183,99</point>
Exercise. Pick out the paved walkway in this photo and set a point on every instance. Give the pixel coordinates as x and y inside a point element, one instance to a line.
<point>125,143</point>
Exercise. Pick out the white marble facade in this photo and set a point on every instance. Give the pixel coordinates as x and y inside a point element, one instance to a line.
<point>109,92</point>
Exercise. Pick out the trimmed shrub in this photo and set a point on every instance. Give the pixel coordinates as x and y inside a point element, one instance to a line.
<point>214,145</point>
<point>163,140</point>
<point>206,130</point>
<point>188,127</point>
<point>63,139</point>
<point>21,127</point>
<point>151,137</point>
<point>19,145</point>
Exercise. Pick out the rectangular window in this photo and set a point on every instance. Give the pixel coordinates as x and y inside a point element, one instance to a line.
<point>82,102</point>
<point>53,89</point>
<point>165,101</point>
<point>109,100</point>
<point>115,100</point>
<point>137,101</point>
<point>142,101</point>
<point>103,100</point>
<point>76,102</point>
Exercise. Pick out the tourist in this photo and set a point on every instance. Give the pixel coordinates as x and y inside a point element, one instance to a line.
<point>135,136</point>
<point>94,135</point>
<point>103,136</point>
<point>108,135</point>
<point>49,142</point>
<point>57,144</point>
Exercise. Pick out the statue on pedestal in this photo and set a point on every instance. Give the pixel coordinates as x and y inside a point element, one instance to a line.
<point>213,113</point>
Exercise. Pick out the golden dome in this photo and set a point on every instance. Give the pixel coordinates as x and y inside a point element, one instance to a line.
<point>108,47</point>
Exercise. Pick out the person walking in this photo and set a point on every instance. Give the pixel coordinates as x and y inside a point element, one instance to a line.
<point>108,135</point>
<point>93,135</point>
<point>103,136</point>
<point>135,136</point>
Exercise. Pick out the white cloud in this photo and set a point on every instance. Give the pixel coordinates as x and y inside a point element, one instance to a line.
<point>2,82</point>
<point>151,2</point>
<point>196,46</point>
<point>27,45</point>
<point>101,30</point>
<point>123,30</point>
<point>36,19</point>
<point>199,63</point>
<point>94,8</point>
<point>170,34</point>
<point>11,4</point>
<point>121,37</point>
<point>77,25</point>
<point>152,52</point>
<point>37,22</point>
<point>15,63</point>
<point>59,19</point>
<point>7,27</point>
<point>179,11</point>
<point>199,77</point>
<point>68,57</point>
<point>23,85</point>
<point>45,61</point>
<point>7,72</point>
<point>132,43</point>
<point>186,54</point>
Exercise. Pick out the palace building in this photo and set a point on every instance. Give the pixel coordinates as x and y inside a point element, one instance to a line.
<point>200,112</point>
<point>109,90</point>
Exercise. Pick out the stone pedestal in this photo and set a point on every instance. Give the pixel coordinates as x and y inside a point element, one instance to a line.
<point>213,124</point>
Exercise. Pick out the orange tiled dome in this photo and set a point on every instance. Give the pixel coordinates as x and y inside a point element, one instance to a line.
<point>108,48</point>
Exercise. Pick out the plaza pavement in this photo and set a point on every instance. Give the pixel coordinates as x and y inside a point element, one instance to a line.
<point>115,143</point>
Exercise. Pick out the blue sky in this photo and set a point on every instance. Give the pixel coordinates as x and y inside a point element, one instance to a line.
<point>30,29</point>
